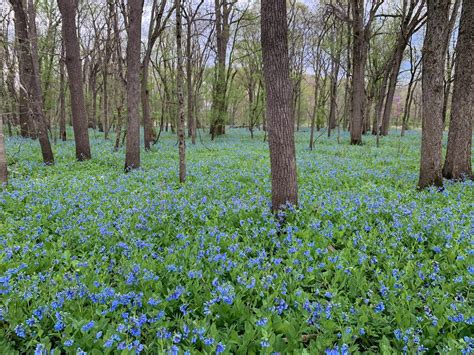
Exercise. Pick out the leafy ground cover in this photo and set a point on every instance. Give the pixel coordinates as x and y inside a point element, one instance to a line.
<point>93,260</point>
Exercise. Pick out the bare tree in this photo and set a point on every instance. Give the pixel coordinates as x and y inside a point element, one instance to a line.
<point>458,156</point>
<point>432,88</point>
<point>74,70</point>
<point>412,16</point>
<point>279,110</point>
<point>156,26</point>
<point>134,26</point>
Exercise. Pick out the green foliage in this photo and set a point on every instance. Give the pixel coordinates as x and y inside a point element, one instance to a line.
<point>96,260</point>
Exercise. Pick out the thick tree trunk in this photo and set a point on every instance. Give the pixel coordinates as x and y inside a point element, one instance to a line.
<point>62,97</point>
<point>3,156</point>
<point>31,82</point>
<point>432,94</point>
<point>179,89</point>
<point>74,71</point>
<point>27,125</point>
<point>359,55</point>
<point>219,99</point>
<point>279,108</point>
<point>458,156</point>
<point>132,155</point>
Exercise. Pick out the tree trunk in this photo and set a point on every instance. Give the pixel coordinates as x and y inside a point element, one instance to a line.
<point>315,110</point>
<point>62,97</point>
<point>189,83</point>
<point>27,126</point>
<point>132,155</point>
<point>219,99</point>
<point>31,82</point>
<point>279,110</point>
<point>432,94</point>
<point>359,55</point>
<point>74,71</point>
<point>145,96</point>
<point>335,66</point>
<point>458,156</point>
<point>407,109</point>
<point>391,90</point>
<point>179,89</point>
<point>3,157</point>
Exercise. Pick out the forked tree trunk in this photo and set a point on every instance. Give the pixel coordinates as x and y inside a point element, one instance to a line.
<point>74,71</point>
<point>30,80</point>
<point>132,155</point>
<point>432,94</point>
<point>27,127</point>
<point>458,156</point>
<point>279,110</point>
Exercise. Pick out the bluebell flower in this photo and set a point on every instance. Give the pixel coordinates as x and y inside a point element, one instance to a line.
<point>88,326</point>
<point>380,307</point>
<point>220,348</point>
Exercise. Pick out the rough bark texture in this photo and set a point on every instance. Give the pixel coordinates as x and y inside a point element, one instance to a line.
<point>30,81</point>
<point>279,111</point>
<point>432,94</point>
<point>458,156</point>
<point>179,89</point>
<point>62,98</point>
<point>132,156</point>
<point>3,157</point>
<point>27,127</point>
<point>359,58</point>
<point>74,71</point>
<point>219,104</point>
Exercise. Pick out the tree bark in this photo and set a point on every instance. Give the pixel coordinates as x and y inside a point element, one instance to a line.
<point>132,155</point>
<point>30,81</point>
<point>189,83</point>
<point>3,157</point>
<point>398,56</point>
<point>359,56</point>
<point>279,110</point>
<point>458,156</point>
<point>179,89</point>
<point>74,71</point>
<point>62,97</point>
<point>219,99</point>
<point>27,126</point>
<point>432,94</point>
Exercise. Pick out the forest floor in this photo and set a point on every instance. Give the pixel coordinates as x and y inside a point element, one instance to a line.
<point>97,260</point>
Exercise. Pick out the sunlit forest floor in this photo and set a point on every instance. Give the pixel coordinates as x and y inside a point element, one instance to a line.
<point>100,261</point>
